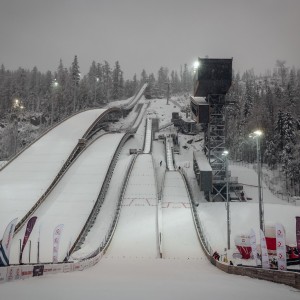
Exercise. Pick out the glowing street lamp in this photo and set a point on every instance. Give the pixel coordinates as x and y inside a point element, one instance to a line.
<point>96,81</point>
<point>257,135</point>
<point>55,85</point>
<point>196,65</point>
<point>225,154</point>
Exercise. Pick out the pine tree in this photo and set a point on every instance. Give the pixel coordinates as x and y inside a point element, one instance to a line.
<point>291,91</point>
<point>279,129</point>
<point>144,77</point>
<point>106,81</point>
<point>162,79</point>
<point>282,71</point>
<point>270,154</point>
<point>116,75</point>
<point>249,99</point>
<point>75,78</point>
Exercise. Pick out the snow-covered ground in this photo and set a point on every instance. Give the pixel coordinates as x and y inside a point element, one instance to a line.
<point>136,235</point>
<point>179,237</point>
<point>70,202</point>
<point>131,270</point>
<point>25,179</point>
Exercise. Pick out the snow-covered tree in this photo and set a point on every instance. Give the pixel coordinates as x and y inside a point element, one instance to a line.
<point>75,78</point>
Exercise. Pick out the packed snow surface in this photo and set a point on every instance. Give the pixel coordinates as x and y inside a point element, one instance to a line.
<point>131,269</point>
<point>26,178</point>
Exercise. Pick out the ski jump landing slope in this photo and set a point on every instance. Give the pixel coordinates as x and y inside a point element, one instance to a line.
<point>70,202</point>
<point>136,233</point>
<point>26,178</point>
<point>178,233</point>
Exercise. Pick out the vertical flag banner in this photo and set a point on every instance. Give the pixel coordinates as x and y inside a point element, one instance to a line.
<point>264,251</point>
<point>298,232</point>
<point>280,247</point>
<point>6,242</point>
<point>253,245</point>
<point>56,239</point>
<point>29,228</point>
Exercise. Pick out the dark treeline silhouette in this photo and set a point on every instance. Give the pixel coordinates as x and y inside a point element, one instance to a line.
<point>31,101</point>
<point>270,103</point>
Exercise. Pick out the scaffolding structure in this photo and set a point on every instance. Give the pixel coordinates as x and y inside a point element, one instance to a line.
<point>212,81</point>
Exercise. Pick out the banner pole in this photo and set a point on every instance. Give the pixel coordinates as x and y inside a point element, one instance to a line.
<point>38,252</point>
<point>20,256</point>
<point>29,251</point>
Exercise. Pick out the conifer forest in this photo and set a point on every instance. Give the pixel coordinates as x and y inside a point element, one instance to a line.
<point>32,101</point>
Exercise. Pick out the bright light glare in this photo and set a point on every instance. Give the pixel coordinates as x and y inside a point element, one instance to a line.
<point>258,132</point>
<point>225,152</point>
<point>196,64</point>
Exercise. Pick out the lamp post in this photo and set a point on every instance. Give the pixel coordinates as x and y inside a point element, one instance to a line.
<point>18,107</point>
<point>196,65</point>
<point>95,98</point>
<point>168,91</point>
<point>225,154</point>
<point>55,85</point>
<point>257,135</point>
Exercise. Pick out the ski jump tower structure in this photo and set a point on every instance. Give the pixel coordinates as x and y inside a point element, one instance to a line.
<point>213,79</point>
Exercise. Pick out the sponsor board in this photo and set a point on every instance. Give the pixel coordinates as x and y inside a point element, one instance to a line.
<point>3,272</point>
<point>68,268</point>
<point>14,273</point>
<point>27,271</point>
<point>57,268</point>
<point>38,270</point>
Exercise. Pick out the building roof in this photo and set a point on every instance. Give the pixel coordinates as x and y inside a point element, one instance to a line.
<point>202,161</point>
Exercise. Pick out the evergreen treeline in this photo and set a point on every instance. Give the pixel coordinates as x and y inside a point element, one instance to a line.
<point>272,104</point>
<point>31,101</point>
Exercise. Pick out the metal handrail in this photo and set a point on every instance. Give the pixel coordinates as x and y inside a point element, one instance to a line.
<point>200,232</point>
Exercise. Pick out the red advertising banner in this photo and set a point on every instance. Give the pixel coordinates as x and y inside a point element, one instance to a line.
<point>280,247</point>
<point>28,231</point>
<point>298,232</point>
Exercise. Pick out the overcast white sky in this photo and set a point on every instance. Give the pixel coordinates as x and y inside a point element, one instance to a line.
<point>148,34</point>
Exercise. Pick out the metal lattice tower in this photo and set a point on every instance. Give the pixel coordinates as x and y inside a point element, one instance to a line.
<point>215,144</point>
<point>212,81</point>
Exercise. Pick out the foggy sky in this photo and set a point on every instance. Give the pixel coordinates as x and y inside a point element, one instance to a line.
<point>148,34</point>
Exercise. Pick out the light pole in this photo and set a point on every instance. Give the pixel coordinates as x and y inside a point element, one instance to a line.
<point>257,135</point>
<point>55,85</point>
<point>96,81</point>
<point>168,91</point>
<point>225,154</point>
<point>18,107</point>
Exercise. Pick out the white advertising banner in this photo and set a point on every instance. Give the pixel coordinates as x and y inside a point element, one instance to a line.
<point>56,239</point>
<point>264,251</point>
<point>253,245</point>
<point>6,242</point>
<point>280,247</point>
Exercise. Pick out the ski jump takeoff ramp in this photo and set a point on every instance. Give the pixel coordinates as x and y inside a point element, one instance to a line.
<point>24,180</point>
